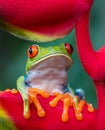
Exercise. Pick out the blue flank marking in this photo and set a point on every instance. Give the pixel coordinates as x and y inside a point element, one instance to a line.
<point>25,81</point>
<point>66,89</point>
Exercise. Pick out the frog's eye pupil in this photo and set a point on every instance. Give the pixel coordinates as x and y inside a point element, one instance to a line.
<point>69,48</point>
<point>32,51</point>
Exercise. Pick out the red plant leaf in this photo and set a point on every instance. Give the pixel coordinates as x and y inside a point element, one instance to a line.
<point>42,20</point>
<point>13,105</point>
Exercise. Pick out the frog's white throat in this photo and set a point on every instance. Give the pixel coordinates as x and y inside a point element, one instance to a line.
<point>50,74</point>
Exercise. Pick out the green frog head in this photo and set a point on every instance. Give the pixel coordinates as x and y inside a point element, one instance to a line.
<point>39,55</point>
<point>47,67</point>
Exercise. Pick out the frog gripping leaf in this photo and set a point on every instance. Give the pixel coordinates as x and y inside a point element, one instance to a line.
<point>46,75</point>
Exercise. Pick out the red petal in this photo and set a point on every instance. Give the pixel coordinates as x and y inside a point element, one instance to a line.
<point>13,104</point>
<point>42,18</point>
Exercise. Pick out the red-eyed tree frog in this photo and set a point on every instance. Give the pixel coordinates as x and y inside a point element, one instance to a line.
<point>46,74</point>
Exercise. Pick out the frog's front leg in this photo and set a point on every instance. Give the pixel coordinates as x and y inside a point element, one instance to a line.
<point>69,99</point>
<point>29,96</point>
<point>23,91</point>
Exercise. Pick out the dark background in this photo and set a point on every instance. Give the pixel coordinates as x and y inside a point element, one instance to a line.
<point>13,54</point>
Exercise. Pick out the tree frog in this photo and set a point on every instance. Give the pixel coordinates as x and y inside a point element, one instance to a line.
<point>46,74</point>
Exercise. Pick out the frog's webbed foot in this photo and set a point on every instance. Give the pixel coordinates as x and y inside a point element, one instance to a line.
<point>69,101</point>
<point>32,93</point>
<point>29,96</point>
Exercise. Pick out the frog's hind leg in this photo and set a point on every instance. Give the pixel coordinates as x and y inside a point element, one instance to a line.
<point>23,91</point>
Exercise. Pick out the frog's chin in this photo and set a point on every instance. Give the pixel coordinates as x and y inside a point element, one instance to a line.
<point>60,61</point>
<point>50,74</point>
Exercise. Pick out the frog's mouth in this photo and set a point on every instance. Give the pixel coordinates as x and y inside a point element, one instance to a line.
<point>58,61</point>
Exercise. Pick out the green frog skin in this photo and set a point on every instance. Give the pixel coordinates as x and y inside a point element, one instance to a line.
<point>46,72</point>
<point>48,69</point>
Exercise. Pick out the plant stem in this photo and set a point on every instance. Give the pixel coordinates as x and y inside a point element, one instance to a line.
<point>93,63</point>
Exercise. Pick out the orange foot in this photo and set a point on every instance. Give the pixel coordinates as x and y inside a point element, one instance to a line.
<point>32,94</point>
<point>14,91</point>
<point>70,101</point>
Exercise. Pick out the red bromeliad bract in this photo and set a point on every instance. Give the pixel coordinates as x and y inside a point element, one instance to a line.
<point>41,20</point>
<point>94,64</point>
<point>12,105</point>
<point>47,20</point>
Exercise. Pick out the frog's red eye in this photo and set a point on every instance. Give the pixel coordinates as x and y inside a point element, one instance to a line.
<point>69,48</point>
<point>32,51</point>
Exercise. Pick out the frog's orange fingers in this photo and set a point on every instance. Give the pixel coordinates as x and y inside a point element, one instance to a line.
<point>55,101</point>
<point>39,91</point>
<point>34,99</point>
<point>66,110</point>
